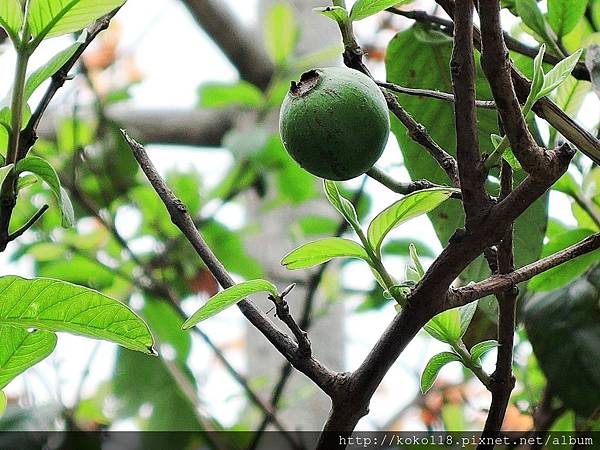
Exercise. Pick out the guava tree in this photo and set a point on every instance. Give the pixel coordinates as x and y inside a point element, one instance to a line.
<point>486,122</point>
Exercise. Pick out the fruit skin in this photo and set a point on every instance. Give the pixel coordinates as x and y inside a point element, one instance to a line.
<point>334,122</point>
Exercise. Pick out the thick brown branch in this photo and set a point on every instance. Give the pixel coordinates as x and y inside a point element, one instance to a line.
<point>544,108</point>
<point>502,380</point>
<point>320,375</point>
<point>497,68</point>
<point>472,175</point>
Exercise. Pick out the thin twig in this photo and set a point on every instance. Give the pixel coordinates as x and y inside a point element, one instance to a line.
<point>418,133</point>
<point>37,216</point>
<point>430,93</point>
<point>29,134</point>
<point>312,286</point>
<point>400,187</point>
<point>151,286</point>
<point>283,312</point>
<point>501,282</point>
<point>321,375</point>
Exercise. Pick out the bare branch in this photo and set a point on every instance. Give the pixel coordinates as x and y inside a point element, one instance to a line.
<point>439,95</point>
<point>398,186</point>
<point>497,68</point>
<point>236,43</point>
<point>500,283</point>
<point>544,108</point>
<point>472,174</point>
<point>579,72</point>
<point>320,375</point>
<point>502,380</point>
<point>419,134</point>
<point>21,231</point>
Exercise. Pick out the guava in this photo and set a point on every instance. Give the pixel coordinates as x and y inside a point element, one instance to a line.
<point>334,122</point>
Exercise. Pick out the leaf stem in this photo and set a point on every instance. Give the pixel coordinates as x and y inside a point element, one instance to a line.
<point>461,350</point>
<point>17,104</point>
<point>378,266</point>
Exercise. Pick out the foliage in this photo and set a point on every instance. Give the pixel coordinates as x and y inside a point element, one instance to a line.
<point>131,284</point>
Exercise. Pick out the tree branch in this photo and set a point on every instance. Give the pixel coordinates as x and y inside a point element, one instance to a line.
<point>419,134</point>
<point>470,168</point>
<point>500,283</point>
<point>439,95</point>
<point>497,68</point>
<point>320,375</point>
<point>544,108</point>
<point>579,72</point>
<point>236,43</point>
<point>502,380</point>
<point>400,187</point>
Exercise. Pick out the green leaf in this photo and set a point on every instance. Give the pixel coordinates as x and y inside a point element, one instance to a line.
<point>466,315</point>
<point>408,207</point>
<point>54,305</point>
<point>4,171</point>
<point>21,349</point>
<point>322,250</point>
<point>481,348</point>
<point>531,16</point>
<point>366,8</point>
<point>538,72</point>
<point>227,298</point>
<point>51,67</point>
<point>559,73</point>
<point>416,261</point>
<point>2,403</point>
<point>446,326</point>
<point>11,18</point>
<point>281,33</point>
<point>42,168</point>
<point>342,204</point>
<point>567,185</point>
<point>563,15</point>
<point>567,272</point>
<point>221,95</point>
<point>511,159</point>
<point>26,181</point>
<point>563,327</point>
<point>50,18</point>
<point>433,367</point>
<point>337,13</point>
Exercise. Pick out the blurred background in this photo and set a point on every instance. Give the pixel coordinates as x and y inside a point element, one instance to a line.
<point>200,83</point>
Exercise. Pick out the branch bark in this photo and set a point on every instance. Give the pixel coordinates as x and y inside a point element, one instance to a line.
<point>502,380</point>
<point>497,68</point>
<point>476,202</point>
<point>499,283</point>
<point>327,380</point>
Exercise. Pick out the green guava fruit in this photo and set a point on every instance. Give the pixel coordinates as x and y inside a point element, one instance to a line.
<point>334,122</point>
